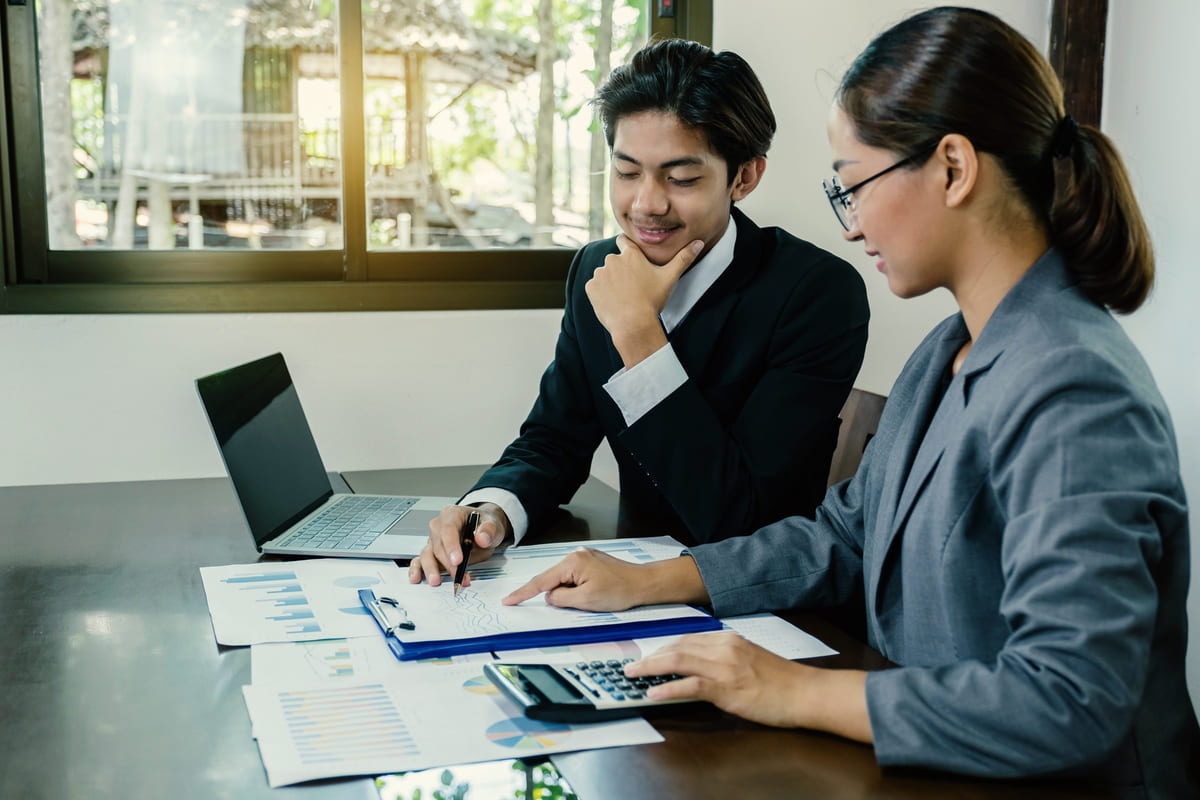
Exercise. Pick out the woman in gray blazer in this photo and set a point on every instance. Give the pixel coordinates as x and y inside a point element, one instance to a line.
<point>1018,524</point>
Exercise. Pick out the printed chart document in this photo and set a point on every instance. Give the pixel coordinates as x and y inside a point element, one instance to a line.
<point>330,699</point>
<point>292,601</point>
<point>779,636</point>
<point>476,620</point>
<point>364,658</point>
<point>442,713</point>
<point>458,688</point>
<point>766,630</point>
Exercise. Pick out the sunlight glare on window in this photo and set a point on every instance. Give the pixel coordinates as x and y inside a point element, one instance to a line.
<point>218,124</point>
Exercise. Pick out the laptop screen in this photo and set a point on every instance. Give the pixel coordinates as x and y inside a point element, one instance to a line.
<point>266,443</point>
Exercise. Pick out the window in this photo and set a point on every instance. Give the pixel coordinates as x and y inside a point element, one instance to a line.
<point>193,155</point>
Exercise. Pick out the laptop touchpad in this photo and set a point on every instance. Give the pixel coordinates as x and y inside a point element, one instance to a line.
<point>414,521</point>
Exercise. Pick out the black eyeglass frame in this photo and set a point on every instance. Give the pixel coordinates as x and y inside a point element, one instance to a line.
<point>838,196</point>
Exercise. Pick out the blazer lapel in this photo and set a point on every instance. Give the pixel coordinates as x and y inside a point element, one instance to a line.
<point>937,427</point>
<point>918,392</point>
<point>912,462</point>
<point>695,338</point>
<point>929,430</point>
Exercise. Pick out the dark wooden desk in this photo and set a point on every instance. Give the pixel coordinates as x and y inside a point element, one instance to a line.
<point>112,686</point>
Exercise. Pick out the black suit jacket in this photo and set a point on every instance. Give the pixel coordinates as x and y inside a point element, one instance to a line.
<point>771,351</point>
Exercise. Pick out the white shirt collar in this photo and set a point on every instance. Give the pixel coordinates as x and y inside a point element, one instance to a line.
<point>697,280</point>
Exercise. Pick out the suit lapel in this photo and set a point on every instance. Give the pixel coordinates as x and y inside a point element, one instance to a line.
<point>911,462</point>
<point>923,438</point>
<point>918,392</point>
<point>938,421</point>
<point>694,339</point>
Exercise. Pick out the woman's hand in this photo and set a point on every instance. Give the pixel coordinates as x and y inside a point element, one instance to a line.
<point>752,682</point>
<point>594,581</point>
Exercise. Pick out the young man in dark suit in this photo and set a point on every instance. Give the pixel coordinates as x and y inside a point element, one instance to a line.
<point>712,354</point>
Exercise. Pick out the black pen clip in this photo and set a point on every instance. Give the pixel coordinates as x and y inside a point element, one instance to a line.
<point>469,529</point>
<point>468,543</point>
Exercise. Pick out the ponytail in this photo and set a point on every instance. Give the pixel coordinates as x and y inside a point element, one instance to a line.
<point>965,71</point>
<point>1096,223</point>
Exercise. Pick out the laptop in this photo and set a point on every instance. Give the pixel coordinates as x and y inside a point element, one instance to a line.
<point>281,482</point>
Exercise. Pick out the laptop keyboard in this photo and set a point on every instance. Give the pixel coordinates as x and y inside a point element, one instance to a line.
<point>352,523</point>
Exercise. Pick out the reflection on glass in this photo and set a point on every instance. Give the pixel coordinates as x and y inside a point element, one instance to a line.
<point>189,124</point>
<point>497,780</point>
<point>219,123</point>
<point>463,149</point>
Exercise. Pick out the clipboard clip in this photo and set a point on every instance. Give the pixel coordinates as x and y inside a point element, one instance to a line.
<point>388,614</point>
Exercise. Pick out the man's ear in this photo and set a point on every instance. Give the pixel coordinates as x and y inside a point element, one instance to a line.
<point>747,177</point>
<point>960,167</point>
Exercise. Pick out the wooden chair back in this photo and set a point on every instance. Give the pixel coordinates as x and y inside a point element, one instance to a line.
<point>859,421</point>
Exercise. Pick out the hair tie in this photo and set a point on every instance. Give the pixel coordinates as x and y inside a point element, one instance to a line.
<point>1064,137</point>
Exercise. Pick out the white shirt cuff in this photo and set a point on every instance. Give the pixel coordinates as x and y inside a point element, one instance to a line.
<point>646,384</point>
<point>507,501</point>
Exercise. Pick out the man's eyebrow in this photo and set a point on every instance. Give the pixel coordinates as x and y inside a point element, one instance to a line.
<point>683,161</point>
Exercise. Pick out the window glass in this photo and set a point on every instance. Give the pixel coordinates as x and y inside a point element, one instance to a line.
<point>230,124</point>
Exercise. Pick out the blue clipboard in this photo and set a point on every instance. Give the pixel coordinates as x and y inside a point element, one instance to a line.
<point>394,623</point>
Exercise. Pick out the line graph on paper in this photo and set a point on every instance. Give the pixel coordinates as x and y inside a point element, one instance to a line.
<point>479,611</point>
<point>531,560</point>
<point>473,614</point>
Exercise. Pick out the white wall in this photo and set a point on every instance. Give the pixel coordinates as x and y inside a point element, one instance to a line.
<point>1150,110</point>
<point>110,398</point>
<point>800,50</point>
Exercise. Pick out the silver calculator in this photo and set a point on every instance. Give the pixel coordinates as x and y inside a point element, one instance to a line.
<point>584,691</point>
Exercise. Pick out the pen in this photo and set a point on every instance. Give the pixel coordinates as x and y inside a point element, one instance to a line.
<point>468,541</point>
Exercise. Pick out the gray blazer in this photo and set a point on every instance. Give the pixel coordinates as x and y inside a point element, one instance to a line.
<point>1021,535</point>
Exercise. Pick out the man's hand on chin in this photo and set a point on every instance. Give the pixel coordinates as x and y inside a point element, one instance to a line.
<point>628,293</point>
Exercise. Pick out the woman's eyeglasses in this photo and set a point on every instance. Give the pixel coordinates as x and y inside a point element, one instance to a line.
<point>841,200</point>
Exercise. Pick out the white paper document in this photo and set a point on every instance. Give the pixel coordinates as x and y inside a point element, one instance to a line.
<point>291,601</point>
<point>779,636</point>
<point>366,658</point>
<point>330,699</point>
<point>442,714</point>
<point>478,614</point>
<point>306,600</point>
<point>766,630</point>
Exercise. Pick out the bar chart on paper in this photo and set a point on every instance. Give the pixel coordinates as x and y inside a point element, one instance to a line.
<point>281,599</point>
<point>376,727</point>
<point>316,721</point>
<point>295,601</point>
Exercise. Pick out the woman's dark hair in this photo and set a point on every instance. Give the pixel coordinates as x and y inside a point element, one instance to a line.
<point>717,94</point>
<point>957,70</point>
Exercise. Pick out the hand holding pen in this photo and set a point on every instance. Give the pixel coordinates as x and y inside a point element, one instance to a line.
<point>443,554</point>
<point>468,542</point>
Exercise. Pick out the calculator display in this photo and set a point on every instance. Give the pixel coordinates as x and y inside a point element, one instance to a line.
<point>542,680</point>
<point>586,691</point>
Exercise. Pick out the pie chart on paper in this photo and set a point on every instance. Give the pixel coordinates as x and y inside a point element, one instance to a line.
<point>480,685</point>
<point>520,733</point>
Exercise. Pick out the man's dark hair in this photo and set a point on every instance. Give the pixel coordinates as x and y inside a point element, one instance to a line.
<point>715,93</point>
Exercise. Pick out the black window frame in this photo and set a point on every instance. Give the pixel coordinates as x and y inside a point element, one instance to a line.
<point>36,279</point>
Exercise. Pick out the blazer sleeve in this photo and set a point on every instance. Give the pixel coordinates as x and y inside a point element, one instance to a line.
<point>727,478</point>
<point>1084,471</point>
<point>797,562</point>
